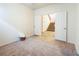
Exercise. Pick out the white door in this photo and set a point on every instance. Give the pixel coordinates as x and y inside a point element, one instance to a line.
<point>60,26</point>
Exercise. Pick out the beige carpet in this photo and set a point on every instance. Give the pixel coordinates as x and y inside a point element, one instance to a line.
<point>38,46</point>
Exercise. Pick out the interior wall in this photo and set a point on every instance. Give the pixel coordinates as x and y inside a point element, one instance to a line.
<point>37,26</point>
<point>18,17</point>
<point>77,30</point>
<point>46,22</point>
<point>71,15</point>
<point>8,34</point>
<point>52,16</point>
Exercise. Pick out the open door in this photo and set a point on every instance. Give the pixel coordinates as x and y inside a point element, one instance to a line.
<point>60,26</point>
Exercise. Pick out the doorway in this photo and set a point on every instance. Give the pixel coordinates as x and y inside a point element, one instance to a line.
<point>48,26</point>
<point>54,26</point>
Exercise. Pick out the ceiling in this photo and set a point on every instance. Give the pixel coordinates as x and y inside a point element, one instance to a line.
<point>40,5</point>
<point>36,5</point>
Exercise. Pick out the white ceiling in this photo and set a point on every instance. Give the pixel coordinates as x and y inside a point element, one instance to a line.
<point>36,5</point>
<point>40,5</point>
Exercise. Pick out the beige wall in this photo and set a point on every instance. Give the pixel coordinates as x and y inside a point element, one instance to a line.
<point>17,16</point>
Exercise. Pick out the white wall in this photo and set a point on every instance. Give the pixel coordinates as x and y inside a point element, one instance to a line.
<point>71,10</point>
<point>18,17</point>
<point>8,34</point>
<point>46,22</point>
<point>53,16</point>
<point>77,30</point>
<point>37,26</point>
